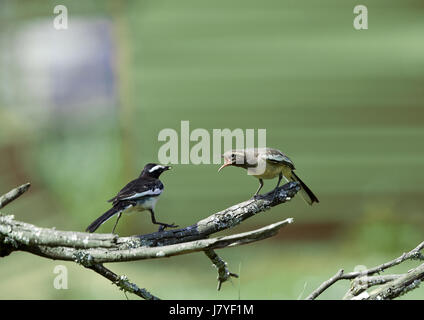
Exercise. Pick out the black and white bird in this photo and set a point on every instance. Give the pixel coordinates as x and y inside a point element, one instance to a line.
<point>267,163</point>
<point>138,195</point>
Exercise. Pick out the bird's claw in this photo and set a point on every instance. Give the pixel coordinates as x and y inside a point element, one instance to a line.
<point>256,197</point>
<point>165,225</point>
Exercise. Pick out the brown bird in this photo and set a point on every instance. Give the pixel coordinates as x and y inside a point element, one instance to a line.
<point>267,163</point>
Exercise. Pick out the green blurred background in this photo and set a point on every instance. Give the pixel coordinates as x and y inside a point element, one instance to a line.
<point>81,110</point>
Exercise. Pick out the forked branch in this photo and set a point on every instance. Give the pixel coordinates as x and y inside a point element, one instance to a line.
<point>392,285</point>
<point>93,250</point>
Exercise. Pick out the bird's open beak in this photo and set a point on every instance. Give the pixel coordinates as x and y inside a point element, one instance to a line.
<point>227,163</point>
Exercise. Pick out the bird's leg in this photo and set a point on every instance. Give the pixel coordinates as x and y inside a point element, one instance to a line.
<point>261,184</point>
<point>278,184</point>
<point>162,225</point>
<point>116,223</point>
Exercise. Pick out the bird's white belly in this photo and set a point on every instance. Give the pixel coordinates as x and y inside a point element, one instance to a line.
<point>145,204</point>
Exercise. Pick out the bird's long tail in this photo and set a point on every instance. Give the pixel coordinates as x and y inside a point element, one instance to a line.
<point>103,218</point>
<point>305,192</point>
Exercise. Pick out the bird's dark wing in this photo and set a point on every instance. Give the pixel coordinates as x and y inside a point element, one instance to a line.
<point>276,156</point>
<point>139,188</point>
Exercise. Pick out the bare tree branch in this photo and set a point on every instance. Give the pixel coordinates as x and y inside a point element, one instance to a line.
<point>122,282</point>
<point>325,285</point>
<point>223,273</point>
<point>13,194</point>
<point>414,254</point>
<point>222,220</point>
<point>92,250</point>
<point>396,284</point>
<point>360,284</point>
<point>130,248</point>
<point>31,235</point>
<point>399,286</point>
